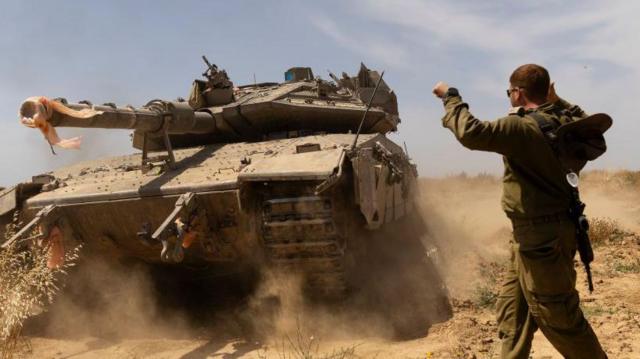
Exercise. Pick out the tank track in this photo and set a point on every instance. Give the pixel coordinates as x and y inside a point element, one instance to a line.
<point>300,234</point>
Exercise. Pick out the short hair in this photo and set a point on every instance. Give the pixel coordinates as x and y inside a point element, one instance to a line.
<point>534,79</point>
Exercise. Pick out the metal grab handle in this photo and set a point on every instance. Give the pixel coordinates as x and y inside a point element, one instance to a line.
<point>44,214</point>
<point>173,225</point>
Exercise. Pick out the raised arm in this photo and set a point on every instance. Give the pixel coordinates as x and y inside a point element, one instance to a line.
<point>504,135</point>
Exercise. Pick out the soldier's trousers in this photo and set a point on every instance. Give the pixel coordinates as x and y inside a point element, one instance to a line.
<point>539,292</point>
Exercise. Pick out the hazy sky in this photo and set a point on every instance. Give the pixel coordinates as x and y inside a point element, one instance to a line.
<point>129,52</point>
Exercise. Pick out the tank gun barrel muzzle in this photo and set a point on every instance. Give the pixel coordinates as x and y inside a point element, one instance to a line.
<point>155,117</point>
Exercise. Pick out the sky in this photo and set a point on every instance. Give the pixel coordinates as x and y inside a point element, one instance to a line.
<point>130,52</point>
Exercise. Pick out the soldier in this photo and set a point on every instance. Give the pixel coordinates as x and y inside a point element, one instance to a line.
<point>539,288</point>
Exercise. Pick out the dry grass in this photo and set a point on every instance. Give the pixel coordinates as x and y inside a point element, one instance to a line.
<point>594,309</point>
<point>603,230</point>
<point>303,345</point>
<point>612,179</point>
<point>632,267</point>
<point>486,292</point>
<point>27,285</point>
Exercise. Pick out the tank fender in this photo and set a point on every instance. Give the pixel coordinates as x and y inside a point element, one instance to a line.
<point>381,185</point>
<point>369,191</point>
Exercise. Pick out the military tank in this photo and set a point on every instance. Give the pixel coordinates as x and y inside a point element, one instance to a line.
<point>298,175</point>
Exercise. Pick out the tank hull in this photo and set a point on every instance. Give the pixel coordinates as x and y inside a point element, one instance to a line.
<point>260,203</point>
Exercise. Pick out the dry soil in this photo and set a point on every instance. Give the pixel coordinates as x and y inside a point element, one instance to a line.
<point>467,239</point>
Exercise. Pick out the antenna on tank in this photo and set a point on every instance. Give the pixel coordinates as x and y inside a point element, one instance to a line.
<point>364,116</point>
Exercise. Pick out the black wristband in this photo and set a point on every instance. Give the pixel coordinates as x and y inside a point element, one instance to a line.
<point>451,91</point>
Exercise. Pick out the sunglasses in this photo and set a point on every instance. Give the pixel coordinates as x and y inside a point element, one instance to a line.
<point>510,91</point>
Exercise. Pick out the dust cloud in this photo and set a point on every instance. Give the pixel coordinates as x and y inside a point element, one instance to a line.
<point>396,293</point>
<point>110,300</point>
<point>614,195</point>
<point>400,291</point>
<point>279,312</point>
<point>464,227</point>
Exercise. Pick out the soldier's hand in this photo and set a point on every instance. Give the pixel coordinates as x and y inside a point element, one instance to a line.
<point>440,89</point>
<point>552,96</point>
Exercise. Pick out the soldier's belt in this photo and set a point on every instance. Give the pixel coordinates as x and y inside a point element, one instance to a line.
<point>551,218</point>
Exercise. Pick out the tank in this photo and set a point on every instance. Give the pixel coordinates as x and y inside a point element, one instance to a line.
<point>297,175</point>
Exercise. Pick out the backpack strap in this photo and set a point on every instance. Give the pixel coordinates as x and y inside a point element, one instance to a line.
<point>576,207</point>
<point>548,130</point>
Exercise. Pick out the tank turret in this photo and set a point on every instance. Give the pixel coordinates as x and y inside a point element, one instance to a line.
<point>218,112</point>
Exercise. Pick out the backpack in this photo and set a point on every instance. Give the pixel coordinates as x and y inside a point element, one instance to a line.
<point>578,141</point>
<point>574,144</point>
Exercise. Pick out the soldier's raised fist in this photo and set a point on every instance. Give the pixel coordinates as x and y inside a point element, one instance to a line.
<point>440,89</point>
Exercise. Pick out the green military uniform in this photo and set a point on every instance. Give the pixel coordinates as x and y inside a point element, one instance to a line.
<point>539,289</point>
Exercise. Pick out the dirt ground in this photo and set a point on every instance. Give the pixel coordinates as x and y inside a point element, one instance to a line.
<point>468,242</point>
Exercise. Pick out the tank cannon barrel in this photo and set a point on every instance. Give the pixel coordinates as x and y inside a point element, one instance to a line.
<point>157,115</point>
<point>219,112</point>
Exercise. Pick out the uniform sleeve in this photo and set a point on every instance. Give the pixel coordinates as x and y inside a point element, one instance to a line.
<point>505,135</point>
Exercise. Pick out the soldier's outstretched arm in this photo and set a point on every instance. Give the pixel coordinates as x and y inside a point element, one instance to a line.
<point>506,135</point>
